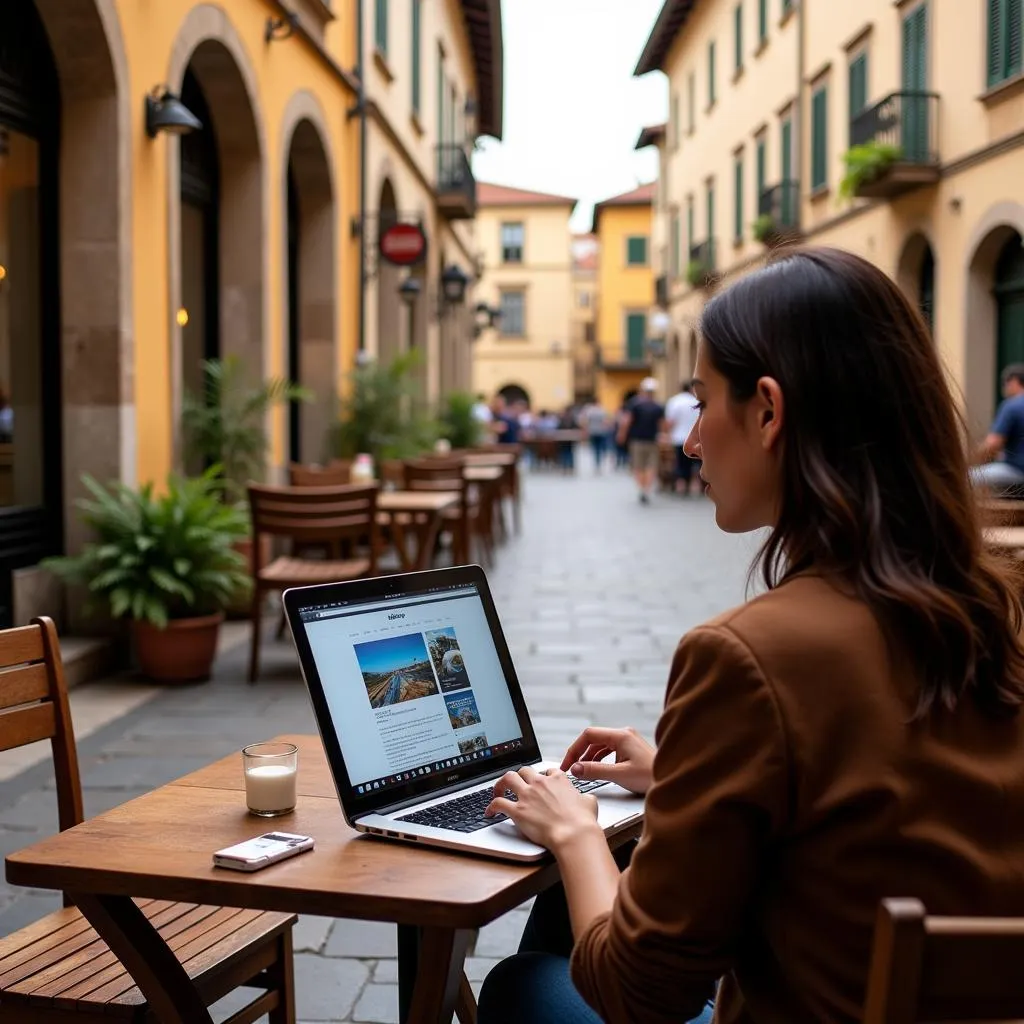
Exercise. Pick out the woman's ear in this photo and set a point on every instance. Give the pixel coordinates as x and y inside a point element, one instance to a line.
<point>770,411</point>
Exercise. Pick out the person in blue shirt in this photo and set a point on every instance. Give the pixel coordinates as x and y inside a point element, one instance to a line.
<point>1001,455</point>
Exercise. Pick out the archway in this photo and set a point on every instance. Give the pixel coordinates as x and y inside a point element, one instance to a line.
<point>1008,289</point>
<point>65,304</point>
<point>915,274</point>
<point>311,290</point>
<point>389,322</point>
<point>1001,226</point>
<point>210,65</point>
<point>514,394</point>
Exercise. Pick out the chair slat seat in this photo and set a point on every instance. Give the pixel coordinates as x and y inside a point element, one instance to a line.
<point>61,963</point>
<point>296,572</point>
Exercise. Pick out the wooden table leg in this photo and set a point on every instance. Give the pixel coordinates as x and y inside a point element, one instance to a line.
<point>427,531</point>
<point>399,540</point>
<point>149,960</point>
<point>430,975</point>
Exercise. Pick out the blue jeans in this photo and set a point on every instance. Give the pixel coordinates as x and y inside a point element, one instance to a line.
<point>534,986</point>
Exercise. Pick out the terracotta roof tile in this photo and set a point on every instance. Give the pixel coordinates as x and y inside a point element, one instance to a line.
<point>642,195</point>
<point>488,194</point>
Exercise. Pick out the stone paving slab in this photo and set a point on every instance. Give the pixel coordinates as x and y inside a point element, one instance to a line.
<point>593,598</point>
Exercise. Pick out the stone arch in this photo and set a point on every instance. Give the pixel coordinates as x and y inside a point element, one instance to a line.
<point>310,313</point>
<point>389,277</point>
<point>513,393</point>
<point>915,274</point>
<point>986,244</point>
<point>208,46</point>
<point>95,255</point>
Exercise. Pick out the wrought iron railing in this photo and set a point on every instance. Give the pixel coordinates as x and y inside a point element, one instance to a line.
<point>661,291</point>
<point>782,203</point>
<point>906,120</point>
<point>455,174</point>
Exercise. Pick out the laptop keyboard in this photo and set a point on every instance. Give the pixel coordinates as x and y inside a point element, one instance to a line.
<point>466,813</point>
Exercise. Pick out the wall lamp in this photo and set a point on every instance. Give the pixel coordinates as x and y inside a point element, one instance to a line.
<point>409,290</point>
<point>484,318</point>
<point>166,113</point>
<point>453,285</point>
<point>281,28</point>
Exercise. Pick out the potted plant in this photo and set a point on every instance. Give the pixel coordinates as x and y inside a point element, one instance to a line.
<point>865,163</point>
<point>381,413</point>
<point>167,563</point>
<point>699,274</point>
<point>764,228</point>
<point>458,422</point>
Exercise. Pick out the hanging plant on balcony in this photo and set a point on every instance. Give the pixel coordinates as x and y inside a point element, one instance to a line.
<point>865,163</point>
<point>699,274</point>
<point>765,229</point>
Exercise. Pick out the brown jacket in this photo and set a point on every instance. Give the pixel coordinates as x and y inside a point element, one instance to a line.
<point>791,793</point>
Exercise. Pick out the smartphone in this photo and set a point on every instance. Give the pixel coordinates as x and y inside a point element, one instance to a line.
<point>257,853</point>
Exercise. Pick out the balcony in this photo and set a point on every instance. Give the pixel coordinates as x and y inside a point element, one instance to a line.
<point>661,291</point>
<point>778,214</point>
<point>629,357</point>
<point>456,186</point>
<point>701,271</point>
<point>893,146</point>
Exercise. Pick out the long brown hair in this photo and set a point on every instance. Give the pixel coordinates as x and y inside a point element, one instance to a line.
<point>875,488</point>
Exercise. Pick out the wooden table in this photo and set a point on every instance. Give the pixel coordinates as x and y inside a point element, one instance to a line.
<point>159,846</point>
<point>483,474</point>
<point>1007,539</point>
<point>491,459</point>
<point>420,513</point>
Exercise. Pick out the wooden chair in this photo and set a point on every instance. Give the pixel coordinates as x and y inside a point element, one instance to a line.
<point>944,968</point>
<point>58,969</point>
<point>467,519</point>
<point>335,474</point>
<point>310,516</point>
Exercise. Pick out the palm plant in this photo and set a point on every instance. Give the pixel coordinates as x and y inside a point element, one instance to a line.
<point>226,424</point>
<point>459,424</point>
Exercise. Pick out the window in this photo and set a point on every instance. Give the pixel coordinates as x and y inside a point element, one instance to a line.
<point>380,27</point>
<point>513,237</point>
<point>636,337</point>
<point>819,138</point>
<point>711,74</point>
<point>636,251</point>
<point>1004,39</point>
<point>674,119</point>
<point>583,300</point>
<point>676,259</point>
<point>762,21</point>
<point>590,332</point>
<point>689,226</point>
<point>737,28</point>
<point>787,6</point>
<point>513,313</point>
<point>416,45</point>
<point>858,84</point>
<point>737,226</point>
<point>761,161</point>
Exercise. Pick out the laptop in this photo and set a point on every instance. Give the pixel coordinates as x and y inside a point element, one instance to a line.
<point>420,710</point>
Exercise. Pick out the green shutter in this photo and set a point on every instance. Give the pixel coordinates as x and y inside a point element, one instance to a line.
<point>737,227</point>
<point>1014,43</point>
<point>711,73</point>
<point>914,122</point>
<point>381,26</point>
<point>1004,39</point>
<point>416,44</point>
<point>819,138</point>
<point>689,228</point>
<point>858,85</point>
<point>676,243</point>
<point>786,142</point>
<point>636,251</point>
<point>691,103</point>
<point>762,20</point>
<point>737,18</point>
<point>636,337</point>
<point>761,171</point>
<point>709,237</point>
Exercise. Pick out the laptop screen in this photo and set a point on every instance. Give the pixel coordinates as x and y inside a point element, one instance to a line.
<point>415,688</point>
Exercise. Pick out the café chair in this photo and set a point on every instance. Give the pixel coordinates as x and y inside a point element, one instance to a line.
<point>58,969</point>
<point>934,969</point>
<point>334,474</point>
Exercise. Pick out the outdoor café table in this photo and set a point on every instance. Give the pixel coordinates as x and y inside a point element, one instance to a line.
<point>1005,539</point>
<point>423,512</point>
<point>159,846</point>
<point>490,459</point>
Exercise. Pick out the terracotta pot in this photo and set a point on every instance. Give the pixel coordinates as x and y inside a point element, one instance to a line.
<point>181,653</point>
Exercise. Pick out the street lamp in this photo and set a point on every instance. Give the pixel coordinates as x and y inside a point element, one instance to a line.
<point>166,113</point>
<point>453,285</point>
<point>409,290</point>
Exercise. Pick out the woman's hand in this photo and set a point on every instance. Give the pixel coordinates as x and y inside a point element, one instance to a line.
<point>547,810</point>
<point>634,757</point>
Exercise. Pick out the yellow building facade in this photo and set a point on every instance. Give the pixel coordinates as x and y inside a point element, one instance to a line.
<point>773,101</point>
<point>583,340</point>
<point>526,253</point>
<point>132,247</point>
<point>625,284</point>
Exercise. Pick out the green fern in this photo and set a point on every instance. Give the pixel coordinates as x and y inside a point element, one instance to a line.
<point>459,424</point>
<point>864,163</point>
<point>159,558</point>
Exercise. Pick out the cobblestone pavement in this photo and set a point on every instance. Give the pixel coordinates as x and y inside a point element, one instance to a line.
<point>593,597</point>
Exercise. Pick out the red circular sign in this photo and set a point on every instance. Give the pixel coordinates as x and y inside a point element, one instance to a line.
<point>403,244</point>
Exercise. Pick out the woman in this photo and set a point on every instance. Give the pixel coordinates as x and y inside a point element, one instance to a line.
<point>851,734</point>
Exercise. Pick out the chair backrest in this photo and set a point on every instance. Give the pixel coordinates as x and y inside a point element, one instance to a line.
<point>944,968</point>
<point>311,515</point>
<point>336,474</point>
<point>34,706</point>
<point>436,474</point>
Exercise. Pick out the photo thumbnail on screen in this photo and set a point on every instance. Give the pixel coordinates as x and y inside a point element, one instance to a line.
<point>473,743</point>
<point>462,709</point>
<point>395,669</point>
<point>449,663</point>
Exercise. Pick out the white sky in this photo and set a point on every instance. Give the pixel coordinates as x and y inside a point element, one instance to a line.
<point>573,110</point>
